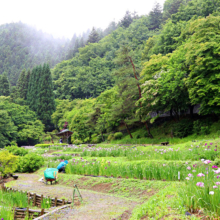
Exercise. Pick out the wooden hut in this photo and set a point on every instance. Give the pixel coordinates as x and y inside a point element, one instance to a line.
<point>65,134</point>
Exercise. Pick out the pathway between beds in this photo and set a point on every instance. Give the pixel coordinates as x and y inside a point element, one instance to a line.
<point>95,206</point>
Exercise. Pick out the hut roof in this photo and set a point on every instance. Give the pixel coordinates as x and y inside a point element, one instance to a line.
<point>65,132</point>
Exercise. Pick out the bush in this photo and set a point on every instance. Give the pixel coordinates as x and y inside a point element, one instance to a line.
<point>20,151</point>
<point>30,163</point>
<point>97,139</point>
<point>8,162</point>
<point>183,128</point>
<point>111,137</point>
<point>77,142</point>
<point>118,135</point>
<point>49,145</point>
<point>201,127</point>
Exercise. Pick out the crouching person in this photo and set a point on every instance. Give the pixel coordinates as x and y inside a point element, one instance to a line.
<point>61,166</point>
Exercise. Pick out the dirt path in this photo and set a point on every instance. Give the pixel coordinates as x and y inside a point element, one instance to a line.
<point>95,205</point>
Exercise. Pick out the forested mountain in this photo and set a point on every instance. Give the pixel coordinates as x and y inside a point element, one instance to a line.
<point>22,46</point>
<point>165,61</point>
<point>91,71</point>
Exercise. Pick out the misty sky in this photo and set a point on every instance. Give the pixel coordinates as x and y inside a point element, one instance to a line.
<point>66,17</point>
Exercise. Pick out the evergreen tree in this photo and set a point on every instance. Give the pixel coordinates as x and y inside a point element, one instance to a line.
<point>4,85</point>
<point>46,104</point>
<point>94,36</point>
<point>76,47</point>
<point>33,88</point>
<point>81,43</point>
<point>126,20</point>
<point>20,87</point>
<point>155,17</point>
<point>26,82</point>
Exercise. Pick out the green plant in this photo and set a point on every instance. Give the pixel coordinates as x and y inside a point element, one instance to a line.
<point>46,203</point>
<point>77,142</point>
<point>118,135</point>
<point>111,137</point>
<point>183,128</point>
<point>20,151</point>
<point>201,127</point>
<point>30,163</point>
<point>8,162</point>
<point>50,145</point>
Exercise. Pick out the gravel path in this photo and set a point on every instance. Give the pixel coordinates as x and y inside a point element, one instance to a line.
<point>95,205</point>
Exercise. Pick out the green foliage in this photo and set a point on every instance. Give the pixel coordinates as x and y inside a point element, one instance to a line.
<point>110,137</point>
<point>15,150</point>
<point>118,135</point>
<point>91,71</point>
<point>22,85</point>
<point>49,145</point>
<point>19,123</point>
<point>201,127</point>
<point>202,57</point>
<point>46,102</point>
<point>8,162</point>
<point>4,85</point>
<point>77,142</point>
<point>183,128</point>
<point>7,129</point>
<point>93,36</point>
<point>30,163</point>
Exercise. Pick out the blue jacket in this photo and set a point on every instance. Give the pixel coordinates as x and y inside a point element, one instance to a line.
<point>62,164</point>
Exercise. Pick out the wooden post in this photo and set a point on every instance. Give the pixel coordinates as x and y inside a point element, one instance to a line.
<point>41,199</point>
<point>55,201</point>
<point>28,198</point>
<point>34,202</point>
<point>42,212</point>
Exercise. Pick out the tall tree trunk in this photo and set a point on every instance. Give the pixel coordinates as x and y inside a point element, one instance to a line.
<point>128,130</point>
<point>148,130</point>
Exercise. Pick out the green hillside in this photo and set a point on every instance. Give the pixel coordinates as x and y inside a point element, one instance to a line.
<point>22,46</point>
<point>157,64</point>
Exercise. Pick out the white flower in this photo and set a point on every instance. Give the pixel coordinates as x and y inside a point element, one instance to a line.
<point>187,178</point>
<point>202,160</point>
<point>211,193</point>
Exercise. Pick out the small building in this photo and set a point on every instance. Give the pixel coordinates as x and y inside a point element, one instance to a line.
<point>65,134</point>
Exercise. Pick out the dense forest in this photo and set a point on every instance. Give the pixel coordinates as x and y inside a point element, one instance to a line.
<point>166,61</point>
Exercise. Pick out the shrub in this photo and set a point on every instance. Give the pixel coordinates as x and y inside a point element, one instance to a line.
<point>30,163</point>
<point>20,151</point>
<point>183,128</point>
<point>49,145</point>
<point>201,127</point>
<point>118,135</point>
<point>97,139</point>
<point>77,142</point>
<point>111,137</point>
<point>8,162</point>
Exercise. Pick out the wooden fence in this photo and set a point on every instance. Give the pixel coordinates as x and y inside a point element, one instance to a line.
<point>36,201</point>
<point>22,213</point>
